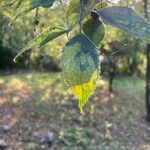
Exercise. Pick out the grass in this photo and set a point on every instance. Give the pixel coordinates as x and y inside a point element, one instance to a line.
<point>33,102</point>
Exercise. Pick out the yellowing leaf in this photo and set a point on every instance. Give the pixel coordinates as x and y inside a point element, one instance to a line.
<point>83,91</point>
<point>80,67</point>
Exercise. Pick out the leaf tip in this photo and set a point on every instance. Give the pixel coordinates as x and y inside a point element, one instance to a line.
<point>80,109</point>
<point>9,25</point>
<point>14,60</point>
<point>80,106</point>
<point>16,57</point>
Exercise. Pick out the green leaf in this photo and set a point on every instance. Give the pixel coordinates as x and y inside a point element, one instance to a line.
<point>95,30</point>
<point>100,5</point>
<point>74,9</point>
<point>127,20</point>
<point>80,67</point>
<point>25,6</point>
<point>19,2</point>
<point>43,38</point>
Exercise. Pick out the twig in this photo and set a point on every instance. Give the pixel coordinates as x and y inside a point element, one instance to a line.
<point>81,16</point>
<point>110,2</point>
<point>36,19</point>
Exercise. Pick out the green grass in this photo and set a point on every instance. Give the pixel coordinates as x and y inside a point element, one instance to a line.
<point>41,102</point>
<point>133,84</point>
<point>32,78</point>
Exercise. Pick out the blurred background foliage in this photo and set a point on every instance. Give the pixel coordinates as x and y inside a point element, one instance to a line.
<point>33,102</point>
<point>126,52</point>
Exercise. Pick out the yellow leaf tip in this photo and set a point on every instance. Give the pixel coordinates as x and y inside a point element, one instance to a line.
<point>81,110</point>
<point>80,106</point>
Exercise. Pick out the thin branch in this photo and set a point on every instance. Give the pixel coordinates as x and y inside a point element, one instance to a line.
<point>36,19</point>
<point>81,15</point>
<point>110,2</point>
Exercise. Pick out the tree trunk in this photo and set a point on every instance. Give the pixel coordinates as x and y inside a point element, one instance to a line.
<point>147,69</point>
<point>111,72</point>
<point>148,83</point>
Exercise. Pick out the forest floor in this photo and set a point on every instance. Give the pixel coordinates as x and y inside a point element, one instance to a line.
<point>33,104</point>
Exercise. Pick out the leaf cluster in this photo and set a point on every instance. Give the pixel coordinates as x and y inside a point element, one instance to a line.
<point>80,60</point>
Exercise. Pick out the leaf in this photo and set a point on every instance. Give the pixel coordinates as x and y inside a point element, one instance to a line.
<point>100,5</point>
<point>25,6</point>
<point>80,67</point>
<point>74,9</point>
<point>127,20</point>
<point>19,2</point>
<point>43,38</point>
<point>94,30</point>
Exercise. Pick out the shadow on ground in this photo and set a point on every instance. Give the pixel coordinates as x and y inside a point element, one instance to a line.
<point>31,103</point>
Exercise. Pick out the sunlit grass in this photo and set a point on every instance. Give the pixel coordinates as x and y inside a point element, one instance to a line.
<point>42,101</point>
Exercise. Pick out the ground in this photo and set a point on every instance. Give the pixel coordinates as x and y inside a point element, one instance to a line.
<point>33,103</point>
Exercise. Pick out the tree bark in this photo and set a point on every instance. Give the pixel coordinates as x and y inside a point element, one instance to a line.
<point>111,72</point>
<point>148,83</point>
<point>147,95</point>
